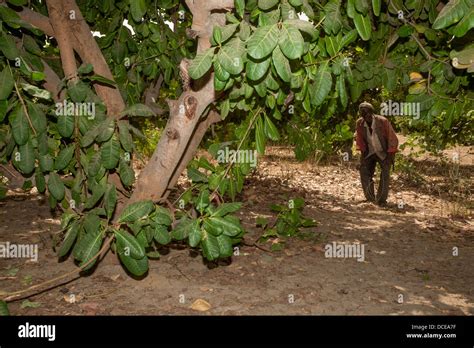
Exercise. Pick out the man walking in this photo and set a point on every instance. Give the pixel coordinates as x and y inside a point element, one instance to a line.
<point>377,141</point>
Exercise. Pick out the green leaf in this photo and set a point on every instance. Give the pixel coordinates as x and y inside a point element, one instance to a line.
<point>226,208</point>
<point>127,175</point>
<point>263,41</point>
<point>20,126</point>
<point>91,223</point>
<point>202,200</point>
<point>64,157</point>
<point>136,211</point>
<point>451,13</point>
<point>333,20</point>
<point>229,225</point>
<point>4,309</point>
<point>256,70</point>
<point>102,80</point>
<point>38,76</point>
<point>322,84</point>
<point>38,118</point>
<point>66,125</point>
<point>347,39</point>
<point>137,9</point>
<point>161,234</point>
<point>227,31</point>
<point>201,64</point>
<point>128,245</point>
<point>270,130</point>
<point>26,164</point>
<point>136,267</point>
<point>162,216</point>
<point>281,64</point>
<point>97,194</point>
<point>6,83</point>
<point>210,246</point>
<point>85,68</point>
<point>125,137</point>
<point>291,41</point>
<point>225,245</point>
<point>78,91</point>
<point>332,45</point>
<point>466,23</point>
<point>376,6</point>
<point>231,55</point>
<point>40,181</point>
<point>260,137</point>
<point>362,6</point>
<point>8,47</point>
<point>3,109</point>
<point>110,200</point>
<point>303,26</point>
<point>89,245</point>
<point>46,163</point>
<point>195,234</point>
<point>182,229</point>
<point>105,130</point>
<point>341,90</point>
<point>69,238</point>
<point>220,73</point>
<point>196,176</point>
<point>363,26</point>
<point>240,7</point>
<point>137,110</point>
<point>110,153</point>
<point>267,4</point>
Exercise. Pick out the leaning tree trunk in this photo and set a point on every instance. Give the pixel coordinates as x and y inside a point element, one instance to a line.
<point>185,128</point>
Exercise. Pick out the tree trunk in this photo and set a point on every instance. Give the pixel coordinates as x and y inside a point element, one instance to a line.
<point>180,140</point>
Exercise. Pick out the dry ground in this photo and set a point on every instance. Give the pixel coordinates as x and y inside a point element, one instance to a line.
<point>408,252</point>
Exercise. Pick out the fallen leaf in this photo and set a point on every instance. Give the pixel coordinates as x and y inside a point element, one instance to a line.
<point>29,304</point>
<point>200,305</point>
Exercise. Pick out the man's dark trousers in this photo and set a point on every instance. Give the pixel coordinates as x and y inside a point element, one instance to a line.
<point>367,170</point>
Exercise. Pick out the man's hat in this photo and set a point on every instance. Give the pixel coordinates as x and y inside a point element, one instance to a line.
<point>366,105</point>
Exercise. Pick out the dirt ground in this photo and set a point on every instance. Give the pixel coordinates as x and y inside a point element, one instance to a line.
<point>409,266</point>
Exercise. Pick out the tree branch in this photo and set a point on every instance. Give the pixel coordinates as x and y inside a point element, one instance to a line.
<point>62,33</point>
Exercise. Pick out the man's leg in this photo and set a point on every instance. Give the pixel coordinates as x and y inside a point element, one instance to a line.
<point>382,192</point>
<point>367,169</point>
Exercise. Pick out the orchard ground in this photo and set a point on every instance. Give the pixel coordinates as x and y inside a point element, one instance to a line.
<point>409,266</point>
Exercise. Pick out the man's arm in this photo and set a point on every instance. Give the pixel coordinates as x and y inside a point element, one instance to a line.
<point>359,138</point>
<point>392,140</point>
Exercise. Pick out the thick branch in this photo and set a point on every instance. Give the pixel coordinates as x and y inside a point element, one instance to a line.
<point>52,82</point>
<point>60,24</point>
<point>34,18</point>
<point>90,52</point>
<point>193,145</point>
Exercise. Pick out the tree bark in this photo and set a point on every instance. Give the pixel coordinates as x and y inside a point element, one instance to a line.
<point>59,20</point>
<point>177,144</point>
<point>90,52</point>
